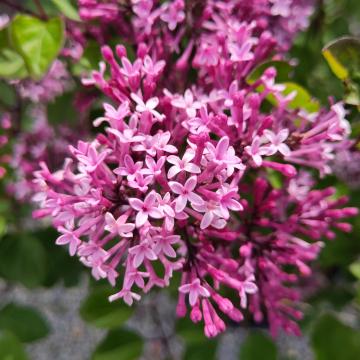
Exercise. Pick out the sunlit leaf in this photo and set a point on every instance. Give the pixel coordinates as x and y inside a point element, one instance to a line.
<point>283,70</point>
<point>38,41</point>
<point>67,8</point>
<point>355,269</point>
<point>12,65</point>
<point>11,348</point>
<point>343,57</point>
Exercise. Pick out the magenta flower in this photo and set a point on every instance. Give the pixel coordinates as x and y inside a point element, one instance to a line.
<point>149,106</point>
<point>187,103</point>
<point>256,151</point>
<point>119,226</point>
<point>183,164</point>
<point>145,209</point>
<point>177,179</point>
<point>277,142</point>
<point>141,252</point>
<point>185,193</point>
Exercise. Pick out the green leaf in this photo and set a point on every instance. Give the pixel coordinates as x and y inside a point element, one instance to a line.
<point>22,259</point>
<point>25,322</point>
<point>12,65</point>
<point>302,99</point>
<point>283,70</point>
<point>67,8</point>
<point>38,42</point>
<point>11,348</point>
<point>355,269</point>
<point>204,350</point>
<point>333,340</point>
<point>343,57</point>
<point>99,311</point>
<point>190,332</point>
<point>275,178</point>
<point>60,267</point>
<point>258,346</point>
<point>119,344</point>
<point>89,60</point>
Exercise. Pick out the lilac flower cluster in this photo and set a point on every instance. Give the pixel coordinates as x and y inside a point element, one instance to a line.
<point>41,143</point>
<point>181,179</point>
<point>5,125</point>
<point>346,165</point>
<point>54,83</point>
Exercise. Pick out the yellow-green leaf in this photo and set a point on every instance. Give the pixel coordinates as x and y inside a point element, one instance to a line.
<point>37,41</point>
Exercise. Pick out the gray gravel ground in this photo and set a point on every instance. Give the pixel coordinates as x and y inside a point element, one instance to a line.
<point>72,339</point>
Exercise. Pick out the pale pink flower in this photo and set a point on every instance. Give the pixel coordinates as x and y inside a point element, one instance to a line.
<point>163,244</point>
<point>186,103</point>
<point>145,209</point>
<point>70,238</point>
<point>195,290</point>
<point>248,287</point>
<point>149,106</point>
<point>127,295</point>
<point>277,142</point>
<point>119,226</point>
<point>141,252</point>
<point>183,164</point>
<point>185,193</point>
<point>256,151</point>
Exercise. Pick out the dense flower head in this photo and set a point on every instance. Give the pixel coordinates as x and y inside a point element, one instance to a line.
<point>54,83</point>
<point>153,22</point>
<point>346,165</point>
<point>179,178</point>
<point>40,143</point>
<point>5,126</point>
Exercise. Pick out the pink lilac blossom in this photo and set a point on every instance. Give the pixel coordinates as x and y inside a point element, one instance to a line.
<point>5,127</point>
<point>346,165</point>
<point>40,143</point>
<point>185,187</point>
<point>54,83</point>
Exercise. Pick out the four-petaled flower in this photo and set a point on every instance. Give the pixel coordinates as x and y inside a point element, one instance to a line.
<point>277,142</point>
<point>70,238</point>
<point>145,208</point>
<point>183,164</point>
<point>119,226</point>
<point>163,244</point>
<point>185,193</point>
<point>141,252</point>
<point>195,290</point>
<point>255,150</point>
<point>186,103</point>
<point>149,106</point>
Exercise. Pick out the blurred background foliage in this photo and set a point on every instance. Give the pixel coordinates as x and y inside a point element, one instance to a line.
<point>29,257</point>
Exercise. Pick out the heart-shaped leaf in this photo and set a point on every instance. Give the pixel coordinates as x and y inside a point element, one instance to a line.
<point>12,65</point>
<point>38,41</point>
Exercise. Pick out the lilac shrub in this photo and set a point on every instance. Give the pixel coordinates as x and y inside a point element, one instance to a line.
<point>180,178</point>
